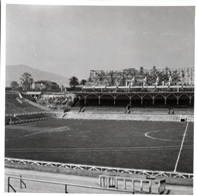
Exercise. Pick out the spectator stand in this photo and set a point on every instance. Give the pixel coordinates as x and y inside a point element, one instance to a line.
<point>56,103</point>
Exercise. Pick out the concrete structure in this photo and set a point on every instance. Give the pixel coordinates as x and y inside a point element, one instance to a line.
<point>137,97</point>
<point>155,186</point>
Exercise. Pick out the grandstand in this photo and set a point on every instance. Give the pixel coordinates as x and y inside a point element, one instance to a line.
<point>137,96</point>
<point>141,88</point>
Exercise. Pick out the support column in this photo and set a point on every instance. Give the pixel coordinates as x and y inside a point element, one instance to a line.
<point>84,100</point>
<point>100,183</point>
<point>125,184</point>
<point>114,100</point>
<point>150,186</point>
<point>129,100</point>
<point>190,100</point>
<point>107,181</point>
<point>159,187</point>
<point>165,99</point>
<point>153,100</point>
<point>141,100</point>
<point>133,185</point>
<point>116,183</point>
<point>99,100</point>
<point>141,185</point>
<point>177,100</point>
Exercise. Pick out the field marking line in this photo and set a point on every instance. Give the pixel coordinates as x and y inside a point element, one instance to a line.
<point>175,168</point>
<point>93,149</point>
<point>155,138</point>
<point>39,132</point>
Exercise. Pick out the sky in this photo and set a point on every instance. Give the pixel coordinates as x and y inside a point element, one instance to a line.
<point>72,40</point>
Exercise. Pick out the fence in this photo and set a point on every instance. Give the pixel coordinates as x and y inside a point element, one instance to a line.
<point>28,117</point>
<point>114,170</point>
<point>22,183</point>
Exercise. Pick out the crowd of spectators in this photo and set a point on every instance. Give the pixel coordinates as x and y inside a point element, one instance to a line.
<point>135,77</point>
<point>55,102</point>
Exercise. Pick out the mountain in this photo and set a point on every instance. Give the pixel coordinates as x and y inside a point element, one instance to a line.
<point>14,72</point>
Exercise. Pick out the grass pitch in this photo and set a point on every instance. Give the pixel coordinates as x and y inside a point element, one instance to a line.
<point>125,144</point>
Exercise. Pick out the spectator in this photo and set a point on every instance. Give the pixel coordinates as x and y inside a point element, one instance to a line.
<point>172,111</point>
<point>83,109</point>
<point>169,110</point>
<point>127,109</point>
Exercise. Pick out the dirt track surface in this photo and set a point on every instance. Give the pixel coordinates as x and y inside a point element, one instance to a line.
<point>35,187</point>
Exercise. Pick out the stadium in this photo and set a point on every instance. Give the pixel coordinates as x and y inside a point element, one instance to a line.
<point>99,97</point>
<point>131,131</point>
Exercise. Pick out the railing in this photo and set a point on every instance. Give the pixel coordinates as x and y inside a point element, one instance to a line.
<point>36,118</point>
<point>153,88</point>
<point>16,176</point>
<point>21,180</point>
<point>115,170</point>
<point>28,113</point>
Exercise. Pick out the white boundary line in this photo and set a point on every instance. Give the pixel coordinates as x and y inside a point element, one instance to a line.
<point>155,138</point>
<point>180,148</point>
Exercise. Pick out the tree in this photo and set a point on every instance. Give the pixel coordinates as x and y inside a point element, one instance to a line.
<point>83,82</point>
<point>46,85</point>
<point>26,80</point>
<point>73,81</point>
<point>14,85</point>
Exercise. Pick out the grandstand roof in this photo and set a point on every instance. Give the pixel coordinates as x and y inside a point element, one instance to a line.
<point>32,92</point>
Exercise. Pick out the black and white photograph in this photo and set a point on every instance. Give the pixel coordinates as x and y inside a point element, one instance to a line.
<point>99,97</point>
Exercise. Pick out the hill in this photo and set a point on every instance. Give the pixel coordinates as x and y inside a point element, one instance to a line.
<point>14,72</point>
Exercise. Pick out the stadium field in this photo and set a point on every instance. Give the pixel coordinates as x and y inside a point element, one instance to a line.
<point>164,146</point>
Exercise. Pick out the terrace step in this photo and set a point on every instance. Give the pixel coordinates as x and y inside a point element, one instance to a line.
<point>122,116</point>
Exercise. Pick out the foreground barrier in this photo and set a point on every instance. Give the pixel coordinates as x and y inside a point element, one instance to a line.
<point>24,117</point>
<point>66,185</point>
<point>135,184</point>
<point>148,173</point>
<point>29,113</point>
